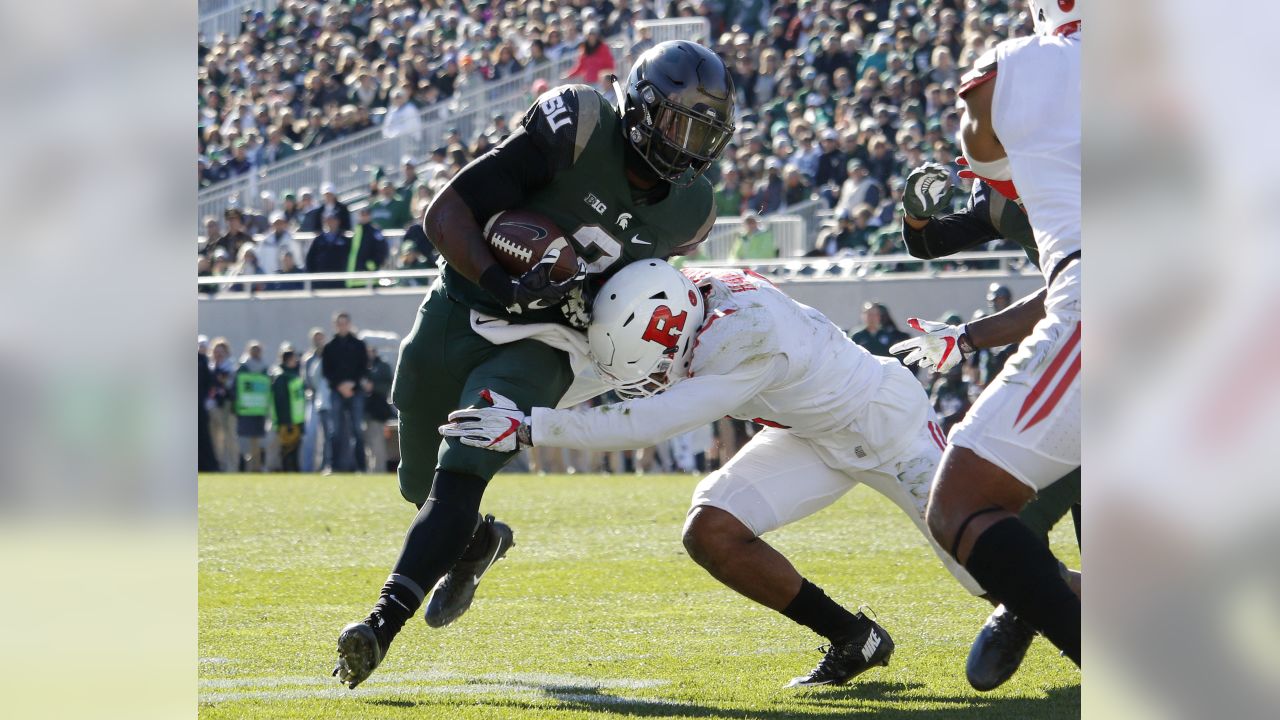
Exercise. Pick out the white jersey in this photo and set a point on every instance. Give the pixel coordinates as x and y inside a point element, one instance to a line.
<point>1035,112</point>
<point>763,357</point>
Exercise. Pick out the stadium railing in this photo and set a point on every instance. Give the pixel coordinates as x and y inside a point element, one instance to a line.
<point>347,162</point>
<point>223,16</point>
<point>819,269</point>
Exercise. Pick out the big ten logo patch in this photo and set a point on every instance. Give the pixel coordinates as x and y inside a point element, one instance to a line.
<point>665,328</point>
<point>557,114</point>
<point>596,203</point>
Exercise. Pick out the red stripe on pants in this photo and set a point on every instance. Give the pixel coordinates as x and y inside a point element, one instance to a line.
<point>1043,385</point>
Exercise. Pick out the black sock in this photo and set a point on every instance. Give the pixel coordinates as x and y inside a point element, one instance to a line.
<point>441,530</point>
<point>399,601</point>
<point>480,541</point>
<point>1075,518</point>
<point>812,608</point>
<point>1018,568</point>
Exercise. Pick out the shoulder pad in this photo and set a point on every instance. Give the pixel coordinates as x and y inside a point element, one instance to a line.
<point>562,120</point>
<point>983,70</point>
<point>730,337</point>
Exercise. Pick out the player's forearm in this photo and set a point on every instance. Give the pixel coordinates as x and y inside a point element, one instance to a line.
<point>451,226</point>
<point>1008,326</point>
<point>628,425</point>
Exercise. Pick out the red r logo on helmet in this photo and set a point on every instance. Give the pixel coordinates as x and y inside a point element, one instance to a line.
<point>1066,5</point>
<point>664,328</point>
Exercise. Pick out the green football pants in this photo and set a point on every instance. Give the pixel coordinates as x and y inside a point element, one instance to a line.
<point>443,366</point>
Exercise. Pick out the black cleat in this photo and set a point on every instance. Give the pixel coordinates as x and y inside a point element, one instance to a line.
<point>360,649</point>
<point>998,650</point>
<point>846,661</point>
<point>455,591</point>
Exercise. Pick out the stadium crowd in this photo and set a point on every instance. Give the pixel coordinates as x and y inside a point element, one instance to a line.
<point>327,409</point>
<point>838,101</point>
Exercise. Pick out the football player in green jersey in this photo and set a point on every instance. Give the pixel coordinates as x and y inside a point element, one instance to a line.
<point>624,184</point>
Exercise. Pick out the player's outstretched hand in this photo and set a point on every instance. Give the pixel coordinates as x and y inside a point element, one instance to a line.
<point>535,289</point>
<point>502,427</point>
<point>939,347</point>
<point>928,191</point>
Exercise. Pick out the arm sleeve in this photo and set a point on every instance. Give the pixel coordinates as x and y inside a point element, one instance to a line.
<point>949,234</point>
<point>647,421</point>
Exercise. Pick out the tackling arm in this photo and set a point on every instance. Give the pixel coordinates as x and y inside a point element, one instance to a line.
<point>646,421</point>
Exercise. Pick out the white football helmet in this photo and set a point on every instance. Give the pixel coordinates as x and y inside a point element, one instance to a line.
<point>643,324</point>
<point>1050,15</point>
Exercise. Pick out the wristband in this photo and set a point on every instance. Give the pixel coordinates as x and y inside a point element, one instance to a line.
<point>524,434</point>
<point>497,283</point>
<point>965,343</point>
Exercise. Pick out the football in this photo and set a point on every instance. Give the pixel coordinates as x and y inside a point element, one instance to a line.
<point>519,239</point>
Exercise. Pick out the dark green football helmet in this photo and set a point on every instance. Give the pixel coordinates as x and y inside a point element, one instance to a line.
<point>677,109</point>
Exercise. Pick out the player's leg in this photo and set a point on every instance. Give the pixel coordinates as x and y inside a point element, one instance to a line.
<point>774,480</point>
<point>1001,644</point>
<point>1021,435</point>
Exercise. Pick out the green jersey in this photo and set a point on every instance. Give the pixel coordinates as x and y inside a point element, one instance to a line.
<point>580,134</point>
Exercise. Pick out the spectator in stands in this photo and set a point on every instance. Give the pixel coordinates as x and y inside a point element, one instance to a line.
<point>377,409</point>
<point>368,248</point>
<point>768,197</point>
<point>287,267</point>
<point>844,238</point>
<point>878,331</point>
<point>860,188</point>
<point>389,209</point>
<point>795,187</point>
<point>275,243</point>
<point>504,63</point>
<point>235,236</point>
<point>831,161</point>
<point>257,220</point>
<point>329,252</point>
<point>212,231</point>
<point>277,147</point>
<point>594,57</point>
<point>753,243</point>
<point>412,257</point>
<point>409,177</point>
<point>330,206</point>
<point>345,364</point>
<point>292,211</point>
<point>288,398</point>
<point>728,194</point>
<point>316,430</point>
<point>247,264</point>
<point>402,119</point>
<point>252,393</point>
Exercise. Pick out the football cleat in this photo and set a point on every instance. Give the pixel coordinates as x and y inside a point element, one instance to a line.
<point>998,650</point>
<point>847,660</point>
<point>359,651</point>
<point>455,591</point>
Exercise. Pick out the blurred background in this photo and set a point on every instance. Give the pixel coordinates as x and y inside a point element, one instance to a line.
<point>97,501</point>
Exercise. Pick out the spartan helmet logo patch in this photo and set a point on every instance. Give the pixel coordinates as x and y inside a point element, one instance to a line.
<point>623,219</point>
<point>636,137</point>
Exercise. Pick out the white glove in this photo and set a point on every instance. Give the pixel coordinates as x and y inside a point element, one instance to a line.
<point>942,346</point>
<point>501,427</point>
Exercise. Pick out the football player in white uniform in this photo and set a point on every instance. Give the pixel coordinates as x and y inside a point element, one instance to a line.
<point>688,348</point>
<point>1021,124</point>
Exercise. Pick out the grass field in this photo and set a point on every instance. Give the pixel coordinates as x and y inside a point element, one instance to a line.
<point>597,612</point>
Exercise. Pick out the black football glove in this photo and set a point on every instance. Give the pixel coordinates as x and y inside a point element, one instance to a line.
<point>535,289</point>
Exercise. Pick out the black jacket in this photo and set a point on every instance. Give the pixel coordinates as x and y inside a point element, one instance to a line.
<point>344,358</point>
<point>312,222</point>
<point>329,253</point>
